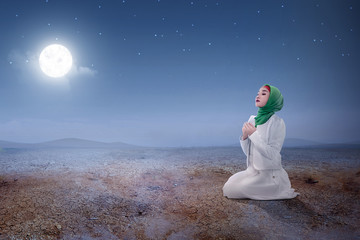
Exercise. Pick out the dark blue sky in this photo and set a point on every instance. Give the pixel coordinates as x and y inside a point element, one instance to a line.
<point>178,73</point>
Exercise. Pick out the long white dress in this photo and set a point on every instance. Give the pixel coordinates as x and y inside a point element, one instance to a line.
<point>264,178</point>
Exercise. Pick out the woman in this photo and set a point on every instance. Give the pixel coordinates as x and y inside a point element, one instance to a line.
<point>262,139</point>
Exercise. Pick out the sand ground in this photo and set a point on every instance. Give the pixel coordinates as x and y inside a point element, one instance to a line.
<point>172,194</point>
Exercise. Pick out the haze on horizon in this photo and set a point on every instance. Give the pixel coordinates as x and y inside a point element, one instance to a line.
<point>166,73</point>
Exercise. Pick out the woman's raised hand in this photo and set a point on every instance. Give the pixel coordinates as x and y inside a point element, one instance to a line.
<point>247,130</point>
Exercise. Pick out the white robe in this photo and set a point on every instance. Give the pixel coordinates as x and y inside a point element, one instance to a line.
<point>264,178</point>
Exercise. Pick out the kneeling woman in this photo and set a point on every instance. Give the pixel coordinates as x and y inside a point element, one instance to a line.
<point>262,140</point>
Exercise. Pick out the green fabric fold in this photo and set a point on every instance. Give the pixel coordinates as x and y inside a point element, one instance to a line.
<point>274,104</point>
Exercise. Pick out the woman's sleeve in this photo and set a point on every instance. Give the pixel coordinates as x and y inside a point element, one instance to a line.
<point>244,144</point>
<point>270,151</point>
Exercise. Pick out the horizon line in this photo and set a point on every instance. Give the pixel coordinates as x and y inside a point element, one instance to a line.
<point>309,143</point>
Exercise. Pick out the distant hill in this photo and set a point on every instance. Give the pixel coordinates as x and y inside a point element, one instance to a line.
<point>353,142</point>
<point>82,143</point>
<point>301,143</point>
<point>296,142</point>
<point>67,143</point>
<point>333,145</point>
<point>6,144</point>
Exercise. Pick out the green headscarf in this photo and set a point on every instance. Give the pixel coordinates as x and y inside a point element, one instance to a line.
<point>274,104</point>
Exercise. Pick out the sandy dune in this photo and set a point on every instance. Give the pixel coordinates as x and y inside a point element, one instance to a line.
<point>172,194</point>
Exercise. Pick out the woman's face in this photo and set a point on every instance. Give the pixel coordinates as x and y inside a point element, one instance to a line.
<point>262,97</point>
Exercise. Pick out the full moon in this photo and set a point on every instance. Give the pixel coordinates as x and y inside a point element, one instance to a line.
<point>55,60</point>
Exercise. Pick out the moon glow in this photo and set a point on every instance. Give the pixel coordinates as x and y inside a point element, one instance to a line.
<point>55,61</point>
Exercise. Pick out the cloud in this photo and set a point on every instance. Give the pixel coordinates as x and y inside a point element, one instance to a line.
<point>28,64</point>
<point>83,71</point>
<point>23,61</point>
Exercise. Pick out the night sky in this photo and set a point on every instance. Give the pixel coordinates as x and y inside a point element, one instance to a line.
<point>179,73</point>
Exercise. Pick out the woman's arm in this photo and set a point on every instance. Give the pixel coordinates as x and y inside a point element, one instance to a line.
<point>244,144</point>
<point>244,140</point>
<point>270,151</point>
